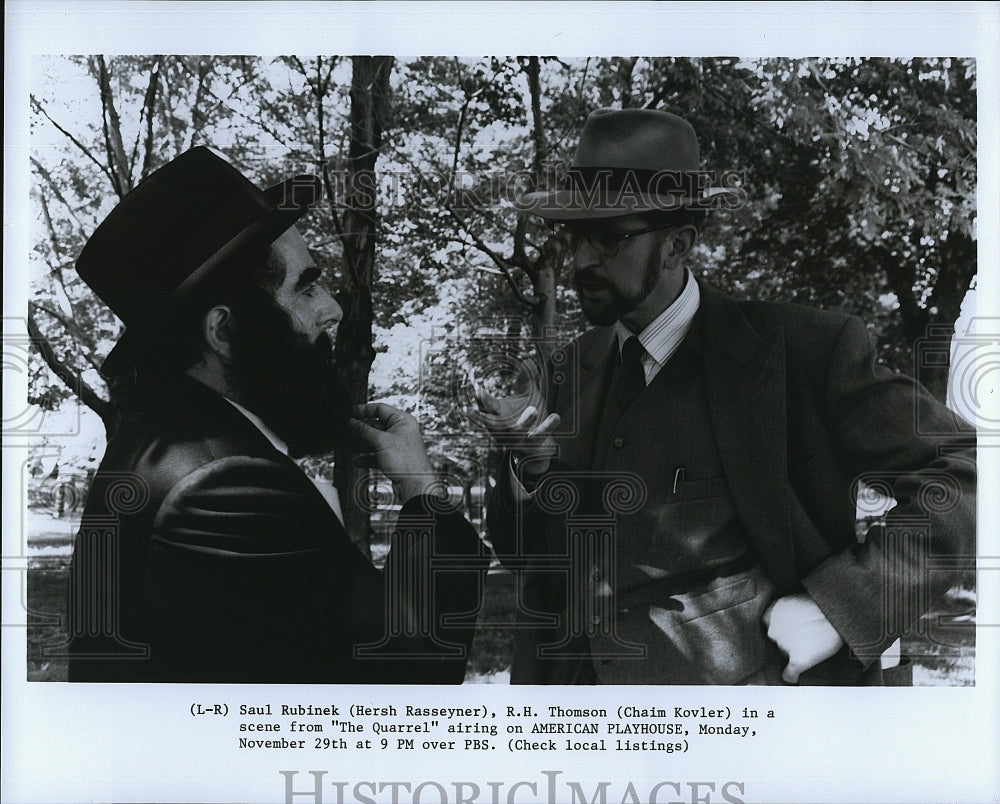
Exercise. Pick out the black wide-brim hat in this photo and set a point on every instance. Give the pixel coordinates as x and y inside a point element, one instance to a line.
<point>632,161</point>
<point>172,232</point>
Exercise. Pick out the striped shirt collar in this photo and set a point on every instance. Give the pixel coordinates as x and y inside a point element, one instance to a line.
<point>664,334</point>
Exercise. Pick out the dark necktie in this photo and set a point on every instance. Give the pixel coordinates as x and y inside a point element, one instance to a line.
<point>630,378</point>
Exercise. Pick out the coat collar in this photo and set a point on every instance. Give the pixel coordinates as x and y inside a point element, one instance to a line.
<point>255,437</point>
<point>276,441</point>
<point>190,407</point>
<point>726,329</point>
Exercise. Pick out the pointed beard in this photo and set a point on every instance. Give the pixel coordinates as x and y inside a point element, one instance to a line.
<point>603,302</point>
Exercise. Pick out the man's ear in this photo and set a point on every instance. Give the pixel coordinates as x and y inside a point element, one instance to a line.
<point>680,241</point>
<point>216,330</point>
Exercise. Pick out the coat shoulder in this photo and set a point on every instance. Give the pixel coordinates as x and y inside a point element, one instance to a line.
<point>811,336</point>
<point>594,337</point>
<point>161,445</point>
<point>791,317</point>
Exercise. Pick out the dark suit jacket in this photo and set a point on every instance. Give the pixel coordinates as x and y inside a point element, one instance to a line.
<point>205,554</point>
<point>801,412</point>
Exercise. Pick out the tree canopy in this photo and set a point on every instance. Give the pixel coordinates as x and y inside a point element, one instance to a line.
<point>860,178</point>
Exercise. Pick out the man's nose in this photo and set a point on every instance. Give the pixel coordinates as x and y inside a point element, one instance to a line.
<point>585,255</point>
<point>330,312</point>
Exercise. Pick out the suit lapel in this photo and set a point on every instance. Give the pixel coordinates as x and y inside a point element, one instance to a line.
<point>229,422</point>
<point>745,386</point>
<point>309,488</point>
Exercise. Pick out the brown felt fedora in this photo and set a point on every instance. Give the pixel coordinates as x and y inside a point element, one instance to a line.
<point>630,161</point>
<point>173,231</point>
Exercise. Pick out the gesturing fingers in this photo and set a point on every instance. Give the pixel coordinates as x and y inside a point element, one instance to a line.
<point>546,426</point>
<point>526,417</point>
<point>486,402</point>
<point>371,433</point>
<point>381,415</point>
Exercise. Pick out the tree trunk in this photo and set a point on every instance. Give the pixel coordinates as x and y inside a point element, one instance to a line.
<point>118,164</point>
<point>354,351</point>
<point>626,68</point>
<point>957,267</point>
<point>544,273</point>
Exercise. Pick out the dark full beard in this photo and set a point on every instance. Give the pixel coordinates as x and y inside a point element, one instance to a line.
<point>292,384</point>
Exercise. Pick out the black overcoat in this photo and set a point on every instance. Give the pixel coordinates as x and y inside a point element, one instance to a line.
<point>206,555</point>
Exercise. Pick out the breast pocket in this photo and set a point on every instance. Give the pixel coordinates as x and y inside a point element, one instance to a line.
<point>680,530</point>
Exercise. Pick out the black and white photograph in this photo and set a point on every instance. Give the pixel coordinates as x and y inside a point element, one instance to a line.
<point>482,426</point>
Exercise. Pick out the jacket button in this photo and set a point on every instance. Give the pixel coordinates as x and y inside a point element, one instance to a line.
<point>619,442</point>
<point>595,573</point>
<point>595,620</point>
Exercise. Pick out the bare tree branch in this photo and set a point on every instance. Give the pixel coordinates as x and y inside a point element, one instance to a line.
<point>121,174</point>
<point>73,329</point>
<point>82,148</point>
<point>531,302</point>
<point>148,109</point>
<point>256,121</point>
<point>506,266</point>
<point>297,62</point>
<point>50,225</point>
<point>56,270</point>
<point>459,129</point>
<point>198,117</point>
<point>56,190</point>
<point>329,73</point>
<point>626,67</point>
<point>168,101</point>
<point>318,90</point>
<point>69,377</point>
<point>572,129</point>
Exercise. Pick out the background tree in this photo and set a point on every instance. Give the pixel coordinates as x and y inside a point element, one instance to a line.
<point>859,173</point>
<point>107,123</point>
<point>359,228</point>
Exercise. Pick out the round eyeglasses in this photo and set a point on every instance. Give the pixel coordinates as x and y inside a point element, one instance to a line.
<point>605,241</point>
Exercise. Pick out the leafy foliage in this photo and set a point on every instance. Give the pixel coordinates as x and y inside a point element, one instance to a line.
<point>860,177</point>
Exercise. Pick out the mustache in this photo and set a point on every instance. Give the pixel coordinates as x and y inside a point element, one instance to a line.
<point>321,349</point>
<point>323,344</point>
<point>585,277</point>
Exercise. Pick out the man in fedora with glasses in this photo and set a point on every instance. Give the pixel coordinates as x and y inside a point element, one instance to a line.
<point>205,553</point>
<point>682,510</point>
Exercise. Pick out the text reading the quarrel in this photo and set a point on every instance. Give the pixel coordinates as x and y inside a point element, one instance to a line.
<point>368,726</point>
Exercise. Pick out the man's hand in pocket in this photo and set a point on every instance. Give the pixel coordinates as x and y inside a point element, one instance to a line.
<point>797,625</point>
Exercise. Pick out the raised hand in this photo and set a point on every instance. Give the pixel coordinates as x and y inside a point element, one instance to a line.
<point>396,447</point>
<point>515,423</point>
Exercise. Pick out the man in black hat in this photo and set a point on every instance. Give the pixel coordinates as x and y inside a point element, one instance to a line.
<point>683,512</point>
<point>205,553</point>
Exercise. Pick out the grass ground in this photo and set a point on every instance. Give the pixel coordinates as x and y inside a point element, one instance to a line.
<point>942,649</point>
